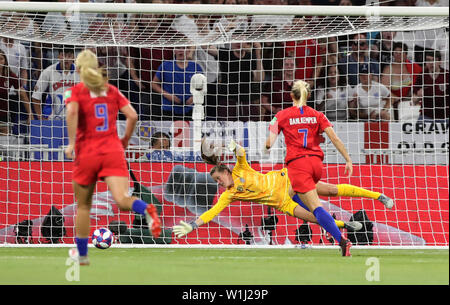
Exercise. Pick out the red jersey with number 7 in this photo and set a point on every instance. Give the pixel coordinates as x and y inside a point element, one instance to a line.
<point>97,115</point>
<point>302,128</point>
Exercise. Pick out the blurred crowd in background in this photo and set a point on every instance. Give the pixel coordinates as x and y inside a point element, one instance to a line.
<point>375,76</point>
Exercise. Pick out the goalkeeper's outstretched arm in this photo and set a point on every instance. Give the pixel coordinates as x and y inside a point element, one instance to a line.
<point>185,228</point>
<point>209,156</point>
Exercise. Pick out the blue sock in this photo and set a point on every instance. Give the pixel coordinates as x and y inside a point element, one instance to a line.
<point>327,222</point>
<point>297,199</point>
<point>139,206</point>
<point>82,245</point>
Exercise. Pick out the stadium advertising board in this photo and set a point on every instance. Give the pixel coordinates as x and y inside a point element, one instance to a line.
<point>367,143</point>
<point>420,216</point>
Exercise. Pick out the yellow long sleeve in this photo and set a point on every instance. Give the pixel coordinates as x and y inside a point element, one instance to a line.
<point>224,200</point>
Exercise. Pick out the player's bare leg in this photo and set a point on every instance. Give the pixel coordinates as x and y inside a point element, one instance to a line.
<point>326,189</point>
<point>119,188</point>
<point>83,194</point>
<point>305,215</point>
<point>349,225</point>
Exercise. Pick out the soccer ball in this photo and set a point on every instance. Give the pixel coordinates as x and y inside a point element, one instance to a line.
<point>102,238</point>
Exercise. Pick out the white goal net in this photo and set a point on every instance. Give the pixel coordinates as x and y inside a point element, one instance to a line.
<point>379,73</point>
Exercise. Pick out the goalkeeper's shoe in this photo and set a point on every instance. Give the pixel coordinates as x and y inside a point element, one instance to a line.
<point>81,260</point>
<point>153,221</point>
<point>352,225</point>
<point>345,245</point>
<point>388,202</point>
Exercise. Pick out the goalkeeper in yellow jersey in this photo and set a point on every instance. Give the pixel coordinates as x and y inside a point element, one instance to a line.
<point>274,189</point>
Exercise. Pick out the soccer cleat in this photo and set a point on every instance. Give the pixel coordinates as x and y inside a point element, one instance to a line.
<point>388,202</point>
<point>81,260</point>
<point>352,225</point>
<point>345,245</point>
<point>153,221</point>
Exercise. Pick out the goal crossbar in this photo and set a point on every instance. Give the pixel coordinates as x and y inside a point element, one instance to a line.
<point>152,23</point>
<point>157,8</point>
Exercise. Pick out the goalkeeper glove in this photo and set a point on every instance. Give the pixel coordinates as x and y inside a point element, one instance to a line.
<point>232,145</point>
<point>184,228</point>
<point>266,150</point>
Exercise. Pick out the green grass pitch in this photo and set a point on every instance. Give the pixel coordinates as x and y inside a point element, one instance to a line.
<point>169,266</point>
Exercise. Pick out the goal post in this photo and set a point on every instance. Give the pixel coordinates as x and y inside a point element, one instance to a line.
<point>213,9</point>
<point>379,73</point>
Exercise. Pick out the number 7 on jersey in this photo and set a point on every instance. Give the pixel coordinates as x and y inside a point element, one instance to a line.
<point>305,136</point>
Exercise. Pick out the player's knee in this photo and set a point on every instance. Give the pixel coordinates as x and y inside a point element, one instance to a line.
<point>84,205</point>
<point>326,189</point>
<point>314,205</point>
<point>332,190</point>
<point>123,201</point>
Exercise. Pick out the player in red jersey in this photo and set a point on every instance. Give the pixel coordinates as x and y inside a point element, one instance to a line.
<point>92,108</point>
<point>302,127</point>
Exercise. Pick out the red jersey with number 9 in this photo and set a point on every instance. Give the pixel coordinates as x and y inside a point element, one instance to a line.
<point>302,128</point>
<point>97,115</point>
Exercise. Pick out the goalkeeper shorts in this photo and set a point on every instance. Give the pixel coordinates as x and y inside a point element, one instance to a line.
<point>288,207</point>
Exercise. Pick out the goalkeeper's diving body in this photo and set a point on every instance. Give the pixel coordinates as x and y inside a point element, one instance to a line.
<point>274,189</point>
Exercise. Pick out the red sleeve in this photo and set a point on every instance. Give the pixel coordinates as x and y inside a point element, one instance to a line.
<point>71,95</point>
<point>323,122</point>
<point>122,101</point>
<point>274,125</point>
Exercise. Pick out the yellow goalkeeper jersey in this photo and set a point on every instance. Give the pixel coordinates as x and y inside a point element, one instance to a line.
<point>270,189</point>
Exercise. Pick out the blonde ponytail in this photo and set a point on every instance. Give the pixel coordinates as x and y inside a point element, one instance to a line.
<point>91,75</point>
<point>300,92</point>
